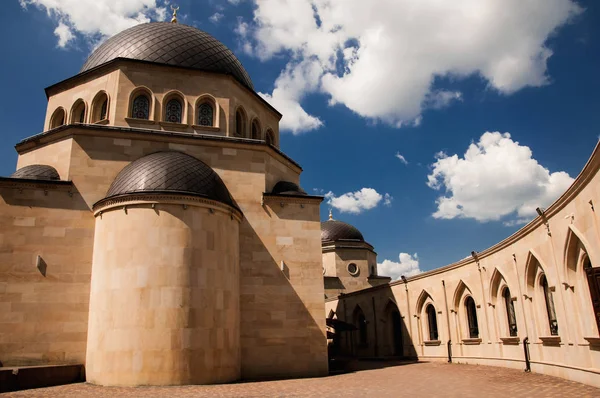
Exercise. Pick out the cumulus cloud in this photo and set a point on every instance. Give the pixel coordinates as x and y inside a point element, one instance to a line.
<point>96,20</point>
<point>497,177</point>
<point>401,158</point>
<point>64,34</point>
<point>216,17</point>
<point>290,88</point>
<point>381,58</point>
<point>357,202</point>
<point>408,265</point>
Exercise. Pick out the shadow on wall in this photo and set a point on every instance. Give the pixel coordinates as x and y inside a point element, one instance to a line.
<point>38,197</point>
<point>282,323</point>
<point>381,329</point>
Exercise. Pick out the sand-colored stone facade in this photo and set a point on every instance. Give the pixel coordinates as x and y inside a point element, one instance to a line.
<point>541,272</point>
<point>160,289</point>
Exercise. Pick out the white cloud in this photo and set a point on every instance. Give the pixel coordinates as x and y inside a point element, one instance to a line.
<point>401,158</point>
<point>216,17</point>
<point>381,58</point>
<point>496,177</point>
<point>64,34</point>
<point>96,20</point>
<point>408,266</point>
<point>357,202</point>
<point>289,89</point>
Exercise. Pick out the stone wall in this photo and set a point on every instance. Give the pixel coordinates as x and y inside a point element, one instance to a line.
<point>43,311</point>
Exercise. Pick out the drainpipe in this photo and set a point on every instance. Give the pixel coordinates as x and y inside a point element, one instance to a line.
<point>448,323</point>
<point>526,349</point>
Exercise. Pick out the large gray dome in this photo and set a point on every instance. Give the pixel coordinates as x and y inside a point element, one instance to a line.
<point>170,172</point>
<point>171,44</point>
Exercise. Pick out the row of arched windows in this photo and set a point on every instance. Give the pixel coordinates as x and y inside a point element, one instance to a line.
<point>78,113</point>
<point>255,128</point>
<point>142,105</point>
<point>174,111</point>
<point>467,314</point>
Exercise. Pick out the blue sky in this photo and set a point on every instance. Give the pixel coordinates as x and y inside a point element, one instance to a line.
<point>361,88</point>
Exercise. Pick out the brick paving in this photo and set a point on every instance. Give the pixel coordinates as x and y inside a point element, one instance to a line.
<point>379,379</point>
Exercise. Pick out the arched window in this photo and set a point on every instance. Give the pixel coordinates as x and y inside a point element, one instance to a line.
<point>78,112</point>
<point>472,317</point>
<point>553,323</point>
<point>58,118</point>
<point>255,130</point>
<point>593,278</point>
<point>510,313</point>
<point>205,114</point>
<point>270,137</point>
<point>173,111</point>
<point>141,107</point>
<point>104,109</point>
<point>240,123</point>
<point>432,322</point>
<point>100,108</point>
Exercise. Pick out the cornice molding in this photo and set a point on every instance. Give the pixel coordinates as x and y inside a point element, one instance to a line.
<point>270,198</point>
<point>47,185</point>
<point>153,200</point>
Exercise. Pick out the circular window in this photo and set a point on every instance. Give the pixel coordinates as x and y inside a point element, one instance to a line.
<point>352,269</point>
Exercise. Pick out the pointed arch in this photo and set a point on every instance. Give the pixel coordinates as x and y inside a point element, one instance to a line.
<point>581,276</point>
<point>533,266</point>
<point>423,297</point>
<point>393,329</point>
<point>496,282</point>
<point>461,288</point>
<point>255,129</point>
<point>576,245</point>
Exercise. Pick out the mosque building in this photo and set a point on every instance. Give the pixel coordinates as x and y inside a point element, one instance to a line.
<point>156,234</point>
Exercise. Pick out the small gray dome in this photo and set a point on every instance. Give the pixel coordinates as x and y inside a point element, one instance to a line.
<point>170,172</point>
<point>287,188</point>
<point>333,230</point>
<point>170,44</point>
<point>37,172</point>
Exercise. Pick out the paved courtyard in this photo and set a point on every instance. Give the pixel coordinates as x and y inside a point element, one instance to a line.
<point>380,380</point>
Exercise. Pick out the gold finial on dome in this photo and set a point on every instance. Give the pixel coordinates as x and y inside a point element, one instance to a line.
<point>174,9</point>
<point>330,214</point>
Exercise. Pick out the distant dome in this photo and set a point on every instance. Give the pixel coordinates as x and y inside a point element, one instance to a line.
<point>170,44</point>
<point>170,172</point>
<point>287,188</point>
<point>37,172</point>
<point>333,230</point>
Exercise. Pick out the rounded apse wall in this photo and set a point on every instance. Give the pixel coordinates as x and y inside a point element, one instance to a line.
<point>164,304</point>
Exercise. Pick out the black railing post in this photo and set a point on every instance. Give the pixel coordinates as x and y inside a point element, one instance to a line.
<point>449,351</point>
<point>526,350</point>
